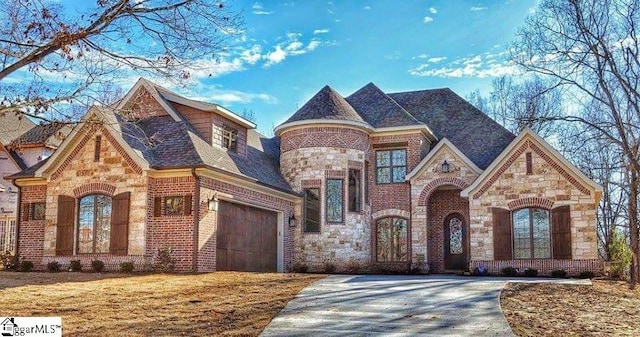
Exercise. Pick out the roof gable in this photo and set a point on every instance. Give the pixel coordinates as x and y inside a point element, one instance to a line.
<point>12,125</point>
<point>503,161</point>
<point>326,104</point>
<point>150,88</point>
<point>430,157</point>
<point>450,116</point>
<point>378,109</point>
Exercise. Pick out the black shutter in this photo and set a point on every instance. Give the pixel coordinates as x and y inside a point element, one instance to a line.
<point>561,229</point>
<point>502,234</point>
<point>120,224</point>
<point>26,209</point>
<point>64,227</point>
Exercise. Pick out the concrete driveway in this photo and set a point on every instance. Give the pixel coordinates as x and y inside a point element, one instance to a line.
<point>399,305</point>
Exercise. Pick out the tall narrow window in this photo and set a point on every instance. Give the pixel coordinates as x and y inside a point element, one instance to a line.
<point>94,224</point>
<point>529,163</point>
<point>3,234</point>
<point>391,240</point>
<point>96,152</point>
<point>335,200</point>
<point>366,182</point>
<point>312,210</point>
<point>355,199</point>
<point>391,166</point>
<point>229,138</point>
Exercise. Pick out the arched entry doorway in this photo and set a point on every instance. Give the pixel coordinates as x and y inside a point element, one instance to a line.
<point>445,205</point>
<point>456,254</point>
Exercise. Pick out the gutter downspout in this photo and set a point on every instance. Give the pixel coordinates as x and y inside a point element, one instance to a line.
<point>18,211</point>
<point>196,219</point>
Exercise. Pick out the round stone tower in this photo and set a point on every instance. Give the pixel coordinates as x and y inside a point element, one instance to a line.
<point>324,149</point>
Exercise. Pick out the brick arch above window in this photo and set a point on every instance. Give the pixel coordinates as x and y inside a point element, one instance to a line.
<point>434,184</point>
<point>94,188</point>
<point>391,213</point>
<point>530,202</point>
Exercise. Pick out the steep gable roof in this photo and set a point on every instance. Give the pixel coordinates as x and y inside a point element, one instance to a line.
<point>13,125</point>
<point>450,116</point>
<point>326,104</point>
<point>49,134</point>
<point>378,109</point>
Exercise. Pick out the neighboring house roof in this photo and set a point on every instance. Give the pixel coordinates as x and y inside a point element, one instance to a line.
<point>326,104</point>
<point>378,109</point>
<point>13,125</point>
<point>450,116</point>
<point>50,134</point>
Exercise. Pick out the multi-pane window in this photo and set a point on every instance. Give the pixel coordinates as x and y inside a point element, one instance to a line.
<point>174,205</point>
<point>94,224</point>
<point>229,138</point>
<point>3,235</point>
<point>335,200</point>
<point>311,210</point>
<point>11,235</point>
<point>38,211</point>
<point>531,234</point>
<point>391,239</point>
<point>391,166</point>
<point>355,199</point>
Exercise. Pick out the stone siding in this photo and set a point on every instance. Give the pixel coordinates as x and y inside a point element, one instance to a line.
<point>114,173</point>
<point>309,165</point>
<point>511,186</point>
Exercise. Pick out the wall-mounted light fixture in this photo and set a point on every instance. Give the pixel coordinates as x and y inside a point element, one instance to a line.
<point>212,203</point>
<point>445,167</point>
<point>293,221</point>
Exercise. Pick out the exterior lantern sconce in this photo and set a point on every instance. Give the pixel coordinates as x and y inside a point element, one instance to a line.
<point>445,167</point>
<point>293,221</point>
<point>212,204</point>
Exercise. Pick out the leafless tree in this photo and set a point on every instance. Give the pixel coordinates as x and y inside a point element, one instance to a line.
<point>518,104</point>
<point>590,48</point>
<point>53,57</point>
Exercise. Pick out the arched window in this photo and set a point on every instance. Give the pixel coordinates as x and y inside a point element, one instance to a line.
<point>531,234</point>
<point>94,224</point>
<point>391,239</point>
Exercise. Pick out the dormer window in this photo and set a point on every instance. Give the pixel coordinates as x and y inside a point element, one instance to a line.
<point>230,138</point>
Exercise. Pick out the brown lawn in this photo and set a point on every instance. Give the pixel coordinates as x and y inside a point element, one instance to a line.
<point>230,303</point>
<point>607,308</point>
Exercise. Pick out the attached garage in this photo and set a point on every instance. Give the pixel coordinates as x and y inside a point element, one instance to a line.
<point>247,238</point>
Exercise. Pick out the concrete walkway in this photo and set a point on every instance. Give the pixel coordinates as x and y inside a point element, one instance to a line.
<point>398,305</point>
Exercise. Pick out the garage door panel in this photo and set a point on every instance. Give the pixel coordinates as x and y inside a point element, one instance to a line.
<point>249,238</point>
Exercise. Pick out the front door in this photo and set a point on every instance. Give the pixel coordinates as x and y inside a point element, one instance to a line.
<point>455,242</point>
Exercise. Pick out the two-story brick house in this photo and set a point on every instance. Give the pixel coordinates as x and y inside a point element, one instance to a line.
<point>392,180</point>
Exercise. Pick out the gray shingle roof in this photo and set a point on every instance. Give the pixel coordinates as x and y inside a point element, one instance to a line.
<point>378,109</point>
<point>448,115</point>
<point>326,104</point>
<point>45,134</point>
<point>12,126</point>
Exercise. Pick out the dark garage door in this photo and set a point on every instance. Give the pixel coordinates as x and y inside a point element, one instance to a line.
<point>247,238</point>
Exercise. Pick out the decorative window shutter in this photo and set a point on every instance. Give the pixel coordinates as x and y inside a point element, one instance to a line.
<point>120,224</point>
<point>561,229</point>
<point>187,204</point>
<point>502,249</point>
<point>26,208</point>
<point>157,206</point>
<point>64,227</point>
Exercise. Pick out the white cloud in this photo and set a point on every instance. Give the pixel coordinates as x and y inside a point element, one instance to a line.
<point>252,55</point>
<point>479,66</point>
<point>433,10</point>
<point>258,9</point>
<point>276,56</point>
<point>320,31</point>
<point>393,56</point>
<point>313,45</point>
<point>427,19</point>
<point>477,8</point>
<point>367,7</point>
<point>436,59</point>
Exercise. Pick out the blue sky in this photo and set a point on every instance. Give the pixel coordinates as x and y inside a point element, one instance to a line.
<point>291,49</point>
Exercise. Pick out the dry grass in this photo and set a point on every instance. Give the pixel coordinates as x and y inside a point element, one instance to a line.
<point>544,309</point>
<point>221,303</point>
